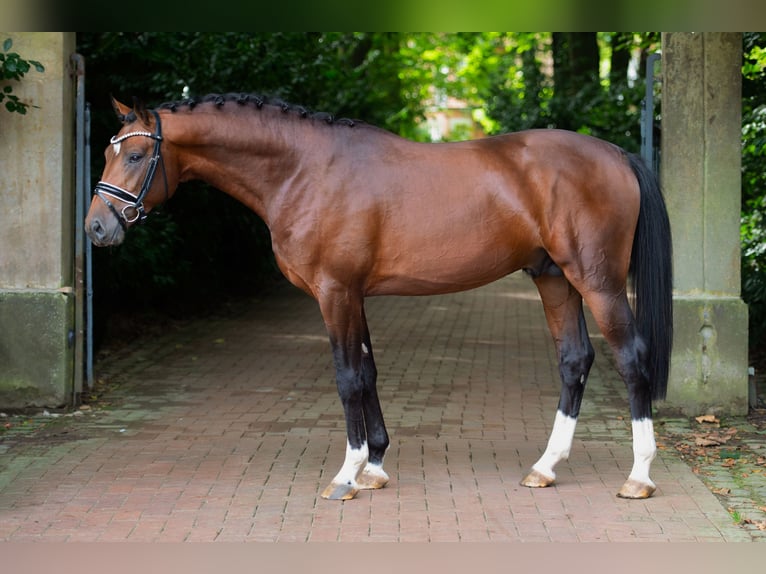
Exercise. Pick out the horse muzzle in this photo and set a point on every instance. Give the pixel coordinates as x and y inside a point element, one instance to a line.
<point>104,230</point>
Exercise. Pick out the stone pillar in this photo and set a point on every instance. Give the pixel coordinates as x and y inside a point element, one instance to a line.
<point>701,158</point>
<point>36,234</point>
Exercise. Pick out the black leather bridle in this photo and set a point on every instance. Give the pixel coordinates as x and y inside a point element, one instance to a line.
<point>133,201</point>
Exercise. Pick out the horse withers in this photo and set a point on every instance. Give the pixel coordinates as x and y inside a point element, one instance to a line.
<point>355,211</point>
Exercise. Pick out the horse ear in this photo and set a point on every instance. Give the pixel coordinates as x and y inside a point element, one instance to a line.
<point>140,110</point>
<point>120,109</point>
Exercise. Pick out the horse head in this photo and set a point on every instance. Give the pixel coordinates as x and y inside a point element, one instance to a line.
<point>135,177</point>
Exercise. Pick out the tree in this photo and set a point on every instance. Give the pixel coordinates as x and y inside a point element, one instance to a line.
<point>619,61</point>
<point>753,234</point>
<point>545,80</point>
<point>576,64</point>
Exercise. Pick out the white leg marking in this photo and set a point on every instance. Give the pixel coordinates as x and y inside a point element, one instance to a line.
<point>375,468</point>
<point>356,458</point>
<point>559,444</point>
<point>644,450</point>
<point>373,476</point>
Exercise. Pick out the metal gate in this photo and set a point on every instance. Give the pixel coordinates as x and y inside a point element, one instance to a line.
<point>83,271</point>
<point>649,151</point>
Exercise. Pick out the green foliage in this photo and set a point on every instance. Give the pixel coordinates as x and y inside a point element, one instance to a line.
<point>14,67</point>
<point>524,94</point>
<point>433,66</point>
<point>519,80</point>
<point>753,228</point>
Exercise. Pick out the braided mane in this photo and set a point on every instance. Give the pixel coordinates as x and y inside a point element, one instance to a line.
<point>258,101</point>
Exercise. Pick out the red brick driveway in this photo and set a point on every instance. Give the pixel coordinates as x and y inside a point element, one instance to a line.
<point>228,430</point>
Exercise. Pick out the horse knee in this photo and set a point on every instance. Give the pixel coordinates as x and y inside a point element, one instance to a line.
<point>348,380</point>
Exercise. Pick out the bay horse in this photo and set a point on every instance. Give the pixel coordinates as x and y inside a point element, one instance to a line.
<point>356,211</point>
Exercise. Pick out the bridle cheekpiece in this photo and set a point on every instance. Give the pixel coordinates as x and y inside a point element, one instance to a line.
<point>131,200</point>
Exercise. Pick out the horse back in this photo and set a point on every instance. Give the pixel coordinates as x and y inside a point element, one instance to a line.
<point>393,216</point>
<point>462,215</point>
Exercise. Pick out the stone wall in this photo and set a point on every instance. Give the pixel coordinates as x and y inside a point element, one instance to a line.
<point>36,235</point>
<point>701,159</point>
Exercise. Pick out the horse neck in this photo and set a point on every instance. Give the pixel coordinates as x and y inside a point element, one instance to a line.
<point>250,154</point>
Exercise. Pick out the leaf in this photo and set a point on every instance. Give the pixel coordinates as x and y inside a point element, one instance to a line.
<point>714,438</point>
<point>722,491</point>
<point>759,524</point>
<point>7,44</point>
<point>707,419</point>
<point>706,441</point>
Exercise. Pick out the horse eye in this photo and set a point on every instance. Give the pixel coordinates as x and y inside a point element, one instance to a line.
<point>135,157</point>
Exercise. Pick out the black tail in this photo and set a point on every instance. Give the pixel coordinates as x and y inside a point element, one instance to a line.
<point>651,267</point>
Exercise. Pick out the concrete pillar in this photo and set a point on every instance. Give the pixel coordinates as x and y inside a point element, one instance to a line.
<point>36,234</point>
<point>701,158</point>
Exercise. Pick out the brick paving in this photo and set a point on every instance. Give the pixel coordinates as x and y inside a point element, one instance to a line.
<point>229,428</point>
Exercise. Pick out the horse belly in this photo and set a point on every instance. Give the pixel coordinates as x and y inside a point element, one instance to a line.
<point>447,263</point>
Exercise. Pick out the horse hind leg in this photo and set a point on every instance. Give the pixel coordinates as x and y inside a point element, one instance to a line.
<point>564,313</point>
<point>616,321</point>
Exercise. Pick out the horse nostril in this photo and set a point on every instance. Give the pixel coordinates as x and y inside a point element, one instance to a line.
<point>97,230</point>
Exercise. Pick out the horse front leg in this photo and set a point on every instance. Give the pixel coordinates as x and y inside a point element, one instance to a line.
<point>373,476</point>
<point>355,376</point>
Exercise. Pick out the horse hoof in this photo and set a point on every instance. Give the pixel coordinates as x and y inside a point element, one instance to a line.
<point>372,478</point>
<point>537,479</point>
<point>341,491</point>
<point>635,489</point>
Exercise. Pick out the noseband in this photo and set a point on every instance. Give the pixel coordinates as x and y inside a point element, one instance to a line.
<point>136,202</point>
